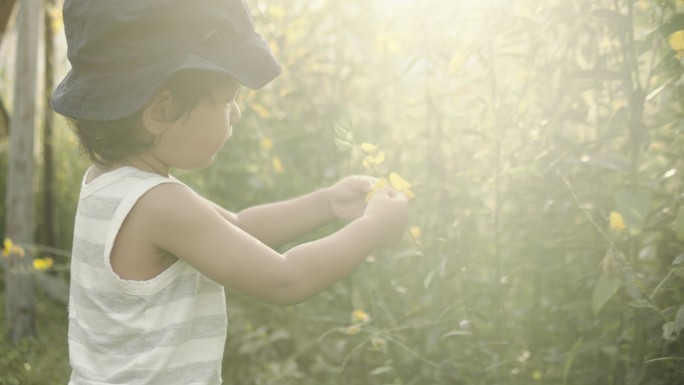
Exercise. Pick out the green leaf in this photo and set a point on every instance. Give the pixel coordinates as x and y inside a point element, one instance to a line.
<point>570,359</point>
<point>408,253</point>
<point>678,260</point>
<point>343,133</point>
<point>380,370</point>
<point>606,287</point>
<point>342,145</point>
<point>634,205</point>
<point>679,319</point>
<point>456,333</point>
<point>610,162</point>
<point>428,279</point>
<point>659,359</point>
<point>641,304</point>
<point>678,225</point>
<point>669,330</point>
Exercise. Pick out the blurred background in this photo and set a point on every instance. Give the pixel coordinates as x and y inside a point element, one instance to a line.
<point>544,144</point>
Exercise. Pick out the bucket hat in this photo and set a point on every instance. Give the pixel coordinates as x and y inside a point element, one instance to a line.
<point>122,51</point>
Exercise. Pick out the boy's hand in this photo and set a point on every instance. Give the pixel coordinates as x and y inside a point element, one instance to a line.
<point>389,208</point>
<point>348,196</point>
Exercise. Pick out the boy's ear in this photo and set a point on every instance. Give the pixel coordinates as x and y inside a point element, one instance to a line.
<point>156,116</point>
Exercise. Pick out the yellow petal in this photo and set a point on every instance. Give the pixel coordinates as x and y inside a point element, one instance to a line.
<point>537,375</point>
<point>380,183</point>
<point>41,264</point>
<point>369,148</point>
<point>261,110</point>
<point>676,41</point>
<point>378,342</point>
<point>398,182</point>
<point>266,143</point>
<point>352,330</point>
<point>408,193</point>
<point>277,165</point>
<point>276,12</point>
<point>415,232</point>
<point>360,315</point>
<point>617,222</point>
<point>375,159</point>
<point>7,247</point>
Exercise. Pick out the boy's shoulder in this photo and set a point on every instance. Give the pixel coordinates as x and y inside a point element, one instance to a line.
<point>149,201</point>
<point>166,214</point>
<point>170,201</point>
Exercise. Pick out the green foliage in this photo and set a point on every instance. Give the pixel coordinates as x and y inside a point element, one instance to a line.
<point>41,360</point>
<point>522,126</point>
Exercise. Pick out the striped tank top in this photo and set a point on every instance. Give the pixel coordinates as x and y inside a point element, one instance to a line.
<point>169,330</point>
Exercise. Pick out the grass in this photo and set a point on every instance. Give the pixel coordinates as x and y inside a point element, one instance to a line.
<point>42,360</point>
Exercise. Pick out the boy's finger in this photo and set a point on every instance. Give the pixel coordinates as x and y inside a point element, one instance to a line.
<point>362,184</point>
<point>387,191</point>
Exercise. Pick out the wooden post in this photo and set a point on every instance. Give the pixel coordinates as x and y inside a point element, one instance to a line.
<point>19,205</point>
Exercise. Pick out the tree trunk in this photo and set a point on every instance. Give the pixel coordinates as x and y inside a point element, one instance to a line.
<point>19,205</point>
<point>6,8</point>
<point>48,163</point>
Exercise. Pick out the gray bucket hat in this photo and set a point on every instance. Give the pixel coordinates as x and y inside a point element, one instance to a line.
<point>121,51</point>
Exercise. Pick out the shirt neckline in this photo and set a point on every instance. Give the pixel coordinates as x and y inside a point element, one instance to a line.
<point>108,177</point>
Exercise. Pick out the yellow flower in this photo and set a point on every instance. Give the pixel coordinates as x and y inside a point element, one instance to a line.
<point>645,5</point>
<point>266,143</point>
<point>374,160</point>
<point>537,375</point>
<point>276,12</point>
<point>352,330</point>
<point>401,184</point>
<point>398,182</point>
<point>360,315</point>
<point>676,42</point>
<point>382,182</point>
<point>415,232</point>
<point>57,20</point>
<point>8,247</point>
<point>378,343</point>
<point>277,165</point>
<point>369,148</point>
<point>617,222</point>
<point>260,110</point>
<point>42,264</point>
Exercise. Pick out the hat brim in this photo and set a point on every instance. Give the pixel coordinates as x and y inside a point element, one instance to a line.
<point>114,94</point>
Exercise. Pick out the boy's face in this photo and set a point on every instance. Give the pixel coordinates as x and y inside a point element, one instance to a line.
<point>194,140</point>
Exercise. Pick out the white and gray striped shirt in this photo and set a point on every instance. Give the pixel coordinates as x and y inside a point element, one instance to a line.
<point>168,330</point>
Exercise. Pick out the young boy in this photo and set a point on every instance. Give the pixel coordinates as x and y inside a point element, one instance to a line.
<point>152,87</point>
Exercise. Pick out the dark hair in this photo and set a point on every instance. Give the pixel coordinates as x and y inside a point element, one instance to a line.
<point>109,141</point>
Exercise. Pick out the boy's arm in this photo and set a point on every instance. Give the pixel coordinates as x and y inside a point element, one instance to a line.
<point>180,222</point>
<point>277,223</point>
